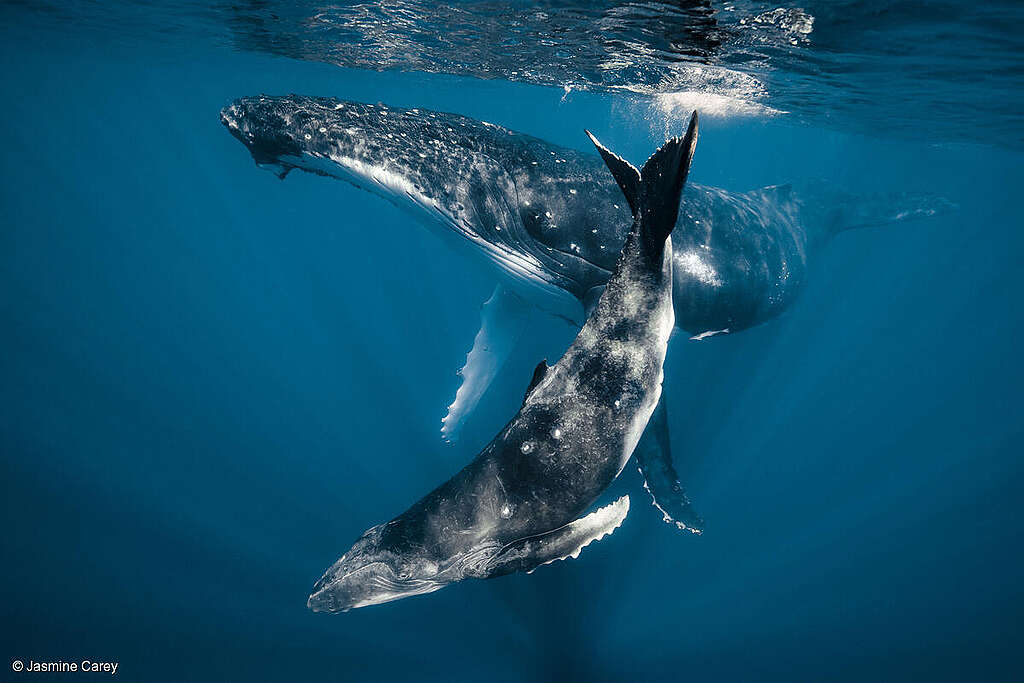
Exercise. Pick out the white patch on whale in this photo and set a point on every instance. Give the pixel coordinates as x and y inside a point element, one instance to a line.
<point>691,263</point>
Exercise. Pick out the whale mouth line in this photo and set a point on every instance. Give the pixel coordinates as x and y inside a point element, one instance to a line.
<point>380,599</point>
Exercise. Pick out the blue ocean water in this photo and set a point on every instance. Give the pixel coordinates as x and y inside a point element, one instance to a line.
<point>213,381</point>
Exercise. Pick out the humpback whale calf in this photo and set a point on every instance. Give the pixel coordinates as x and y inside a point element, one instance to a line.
<point>517,505</point>
<point>552,222</point>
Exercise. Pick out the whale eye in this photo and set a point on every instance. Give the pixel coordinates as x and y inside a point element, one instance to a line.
<point>404,572</point>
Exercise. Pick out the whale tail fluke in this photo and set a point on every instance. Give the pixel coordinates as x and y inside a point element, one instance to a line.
<point>887,208</point>
<point>829,210</point>
<point>654,191</point>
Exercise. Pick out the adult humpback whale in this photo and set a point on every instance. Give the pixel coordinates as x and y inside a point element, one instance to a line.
<point>517,505</point>
<point>552,221</point>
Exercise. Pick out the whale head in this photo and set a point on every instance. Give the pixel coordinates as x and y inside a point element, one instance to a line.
<point>372,572</point>
<point>265,132</point>
<point>424,160</point>
<point>451,172</point>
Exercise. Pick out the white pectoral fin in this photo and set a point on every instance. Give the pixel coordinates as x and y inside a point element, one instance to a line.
<point>527,554</point>
<point>503,320</point>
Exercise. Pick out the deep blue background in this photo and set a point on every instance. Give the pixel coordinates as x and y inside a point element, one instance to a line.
<point>212,381</point>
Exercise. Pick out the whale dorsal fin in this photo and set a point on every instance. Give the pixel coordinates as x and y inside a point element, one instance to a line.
<point>591,298</point>
<point>531,552</point>
<point>539,373</point>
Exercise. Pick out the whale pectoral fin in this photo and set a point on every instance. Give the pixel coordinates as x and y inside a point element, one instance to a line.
<point>503,321</point>
<point>654,455</point>
<point>531,552</point>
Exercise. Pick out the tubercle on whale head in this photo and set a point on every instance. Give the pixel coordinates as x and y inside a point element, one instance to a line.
<point>254,123</point>
<point>277,128</point>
